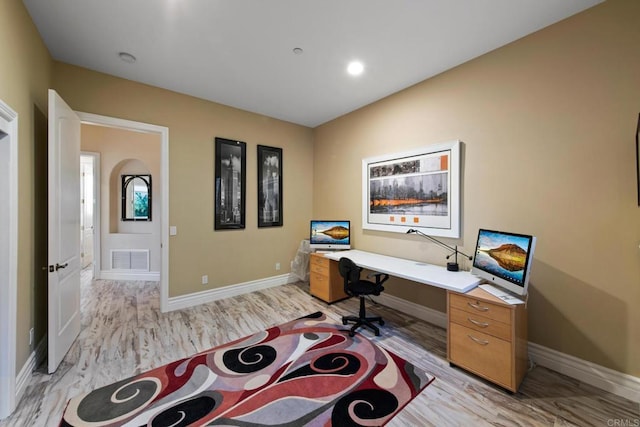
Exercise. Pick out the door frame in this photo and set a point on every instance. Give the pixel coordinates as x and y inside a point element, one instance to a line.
<point>96,209</point>
<point>163,132</point>
<point>9,302</point>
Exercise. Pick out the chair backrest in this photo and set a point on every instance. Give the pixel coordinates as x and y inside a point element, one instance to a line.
<point>348,270</point>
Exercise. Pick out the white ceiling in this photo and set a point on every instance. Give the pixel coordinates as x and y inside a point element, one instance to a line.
<point>240,52</point>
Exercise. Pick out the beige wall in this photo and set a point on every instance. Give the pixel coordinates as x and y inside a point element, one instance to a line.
<point>548,127</point>
<point>24,78</point>
<point>231,256</point>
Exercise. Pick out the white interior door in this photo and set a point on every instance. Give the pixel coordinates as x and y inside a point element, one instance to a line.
<point>64,229</point>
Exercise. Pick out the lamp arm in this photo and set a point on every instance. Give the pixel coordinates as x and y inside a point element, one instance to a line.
<point>438,242</point>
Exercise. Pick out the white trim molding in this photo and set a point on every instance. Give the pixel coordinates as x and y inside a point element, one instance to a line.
<point>35,358</point>
<point>9,268</point>
<point>598,376</point>
<point>191,300</point>
<point>153,276</point>
<point>427,314</point>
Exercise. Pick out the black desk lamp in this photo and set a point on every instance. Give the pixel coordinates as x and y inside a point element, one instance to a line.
<point>451,266</point>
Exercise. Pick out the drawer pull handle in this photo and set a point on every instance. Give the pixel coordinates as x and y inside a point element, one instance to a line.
<point>478,307</point>
<point>479,341</point>
<point>480,324</point>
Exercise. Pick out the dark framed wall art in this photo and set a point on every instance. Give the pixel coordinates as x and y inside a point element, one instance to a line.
<point>269,186</point>
<point>230,184</point>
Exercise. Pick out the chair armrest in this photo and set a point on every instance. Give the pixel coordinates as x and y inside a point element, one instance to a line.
<point>380,277</point>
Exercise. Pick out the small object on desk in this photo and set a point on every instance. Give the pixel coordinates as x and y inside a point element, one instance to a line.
<point>503,295</point>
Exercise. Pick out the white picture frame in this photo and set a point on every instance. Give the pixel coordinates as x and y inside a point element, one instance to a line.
<point>417,189</point>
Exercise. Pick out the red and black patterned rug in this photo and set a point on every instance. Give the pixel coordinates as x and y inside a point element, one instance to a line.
<point>307,372</point>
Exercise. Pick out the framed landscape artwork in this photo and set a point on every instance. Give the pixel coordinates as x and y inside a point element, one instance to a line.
<point>269,186</point>
<point>230,183</point>
<point>414,189</point>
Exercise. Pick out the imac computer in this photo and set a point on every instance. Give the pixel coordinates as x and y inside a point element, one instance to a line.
<point>504,259</point>
<point>330,235</point>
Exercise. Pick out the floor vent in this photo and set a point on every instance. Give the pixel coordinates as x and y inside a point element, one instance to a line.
<point>130,259</point>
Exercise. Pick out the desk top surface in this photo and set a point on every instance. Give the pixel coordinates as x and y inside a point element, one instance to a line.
<point>429,274</point>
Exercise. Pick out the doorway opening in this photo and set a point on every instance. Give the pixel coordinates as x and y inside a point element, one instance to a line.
<point>89,211</point>
<point>162,188</point>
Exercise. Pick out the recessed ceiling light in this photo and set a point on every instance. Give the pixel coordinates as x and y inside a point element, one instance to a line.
<point>127,57</point>
<point>355,68</point>
<point>298,50</point>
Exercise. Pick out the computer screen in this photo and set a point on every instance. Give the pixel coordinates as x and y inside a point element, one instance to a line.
<point>504,259</point>
<point>330,234</point>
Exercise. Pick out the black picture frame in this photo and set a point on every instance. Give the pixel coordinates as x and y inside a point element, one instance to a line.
<point>269,186</point>
<point>128,195</point>
<point>638,156</point>
<point>230,184</point>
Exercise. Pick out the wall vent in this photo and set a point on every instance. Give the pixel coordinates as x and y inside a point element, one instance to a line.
<point>130,259</point>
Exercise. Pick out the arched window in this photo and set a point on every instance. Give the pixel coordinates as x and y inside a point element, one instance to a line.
<point>136,197</point>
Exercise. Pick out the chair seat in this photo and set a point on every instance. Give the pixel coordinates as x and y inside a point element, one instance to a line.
<point>364,287</point>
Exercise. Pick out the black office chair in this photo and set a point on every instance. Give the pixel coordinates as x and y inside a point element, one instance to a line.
<point>355,287</point>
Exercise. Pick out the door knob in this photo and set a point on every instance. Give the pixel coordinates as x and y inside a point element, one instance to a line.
<point>59,266</point>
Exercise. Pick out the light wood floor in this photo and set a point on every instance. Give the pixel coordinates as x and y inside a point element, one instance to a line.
<point>124,333</point>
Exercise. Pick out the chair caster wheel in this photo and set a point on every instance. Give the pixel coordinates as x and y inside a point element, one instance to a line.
<point>381,323</point>
<point>351,334</point>
<point>344,322</point>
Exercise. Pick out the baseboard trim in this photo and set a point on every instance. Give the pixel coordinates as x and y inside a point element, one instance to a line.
<point>190,300</point>
<point>427,314</point>
<point>152,276</point>
<point>23,377</point>
<point>615,382</point>
<point>41,350</point>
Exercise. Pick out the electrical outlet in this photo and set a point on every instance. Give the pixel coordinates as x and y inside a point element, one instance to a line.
<point>205,279</point>
<point>277,266</point>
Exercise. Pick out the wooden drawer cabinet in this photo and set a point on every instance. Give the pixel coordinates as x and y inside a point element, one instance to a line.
<point>481,324</point>
<point>325,281</point>
<point>487,337</point>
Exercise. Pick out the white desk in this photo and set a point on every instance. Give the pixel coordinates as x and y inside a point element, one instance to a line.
<point>434,275</point>
<point>485,335</point>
